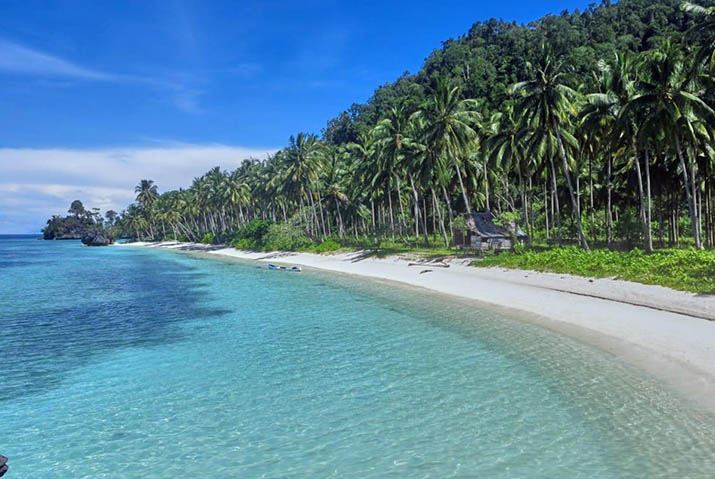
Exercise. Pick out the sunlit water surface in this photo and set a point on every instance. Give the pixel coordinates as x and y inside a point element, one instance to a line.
<point>127,362</point>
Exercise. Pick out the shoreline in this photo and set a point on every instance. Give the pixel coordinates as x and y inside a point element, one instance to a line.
<point>640,324</point>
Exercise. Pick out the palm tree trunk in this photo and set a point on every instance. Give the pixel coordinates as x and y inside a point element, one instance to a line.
<point>688,193</point>
<point>555,202</point>
<point>341,231</point>
<point>441,219</point>
<point>402,208</point>
<point>449,209</point>
<point>461,185</point>
<point>314,212</point>
<point>322,218</point>
<point>522,194</point>
<point>709,212</point>
<point>531,210</point>
<point>578,195</point>
<point>372,210</point>
<point>697,202</point>
<point>609,205</point>
<point>434,221</point>
<point>581,237</point>
<point>424,218</point>
<point>417,208</point>
<point>648,244</point>
<point>649,239</point>
<point>590,191</point>
<point>546,206</point>
<point>486,187</point>
<point>303,217</point>
<point>392,217</point>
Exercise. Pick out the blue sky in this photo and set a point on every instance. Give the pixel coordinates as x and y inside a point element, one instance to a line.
<point>95,95</point>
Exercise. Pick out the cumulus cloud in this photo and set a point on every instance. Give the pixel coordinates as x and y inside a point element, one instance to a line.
<point>38,183</point>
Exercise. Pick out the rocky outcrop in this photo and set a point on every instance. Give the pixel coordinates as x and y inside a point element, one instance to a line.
<point>96,238</point>
<point>74,226</point>
<point>69,227</point>
<point>3,465</point>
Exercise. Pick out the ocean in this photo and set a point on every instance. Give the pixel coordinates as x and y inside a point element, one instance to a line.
<point>130,362</point>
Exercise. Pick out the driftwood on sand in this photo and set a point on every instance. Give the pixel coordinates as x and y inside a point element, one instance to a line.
<point>428,263</point>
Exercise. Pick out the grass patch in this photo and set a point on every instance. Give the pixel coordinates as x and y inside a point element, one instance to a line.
<point>682,269</point>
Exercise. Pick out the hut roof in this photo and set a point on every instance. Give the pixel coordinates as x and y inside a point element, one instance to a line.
<point>483,225</point>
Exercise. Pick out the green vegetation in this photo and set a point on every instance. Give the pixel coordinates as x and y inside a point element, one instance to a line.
<point>590,128</point>
<point>686,269</point>
<point>327,246</point>
<point>264,235</point>
<point>208,239</point>
<point>79,222</point>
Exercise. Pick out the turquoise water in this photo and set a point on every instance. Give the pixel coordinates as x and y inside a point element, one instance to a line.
<point>124,362</point>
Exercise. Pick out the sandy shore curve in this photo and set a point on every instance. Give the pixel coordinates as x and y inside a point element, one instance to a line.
<point>669,334</point>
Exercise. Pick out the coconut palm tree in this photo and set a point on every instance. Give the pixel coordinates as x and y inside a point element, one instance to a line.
<point>363,153</point>
<point>704,30</point>
<point>449,124</point>
<point>505,149</point>
<point>599,115</point>
<point>605,118</point>
<point>670,102</point>
<point>301,164</point>
<point>392,137</point>
<point>547,104</point>
<point>147,193</point>
<point>333,182</point>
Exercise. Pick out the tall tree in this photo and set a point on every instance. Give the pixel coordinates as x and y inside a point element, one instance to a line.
<point>547,104</point>
<point>449,125</point>
<point>667,99</point>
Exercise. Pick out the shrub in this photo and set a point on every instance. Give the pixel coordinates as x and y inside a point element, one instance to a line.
<point>208,239</point>
<point>285,237</point>
<point>327,246</point>
<point>519,248</point>
<point>686,269</point>
<point>251,235</point>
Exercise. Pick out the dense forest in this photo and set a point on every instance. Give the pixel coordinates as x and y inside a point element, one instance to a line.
<point>589,127</point>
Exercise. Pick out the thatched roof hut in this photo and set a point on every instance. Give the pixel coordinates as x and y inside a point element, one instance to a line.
<point>482,233</point>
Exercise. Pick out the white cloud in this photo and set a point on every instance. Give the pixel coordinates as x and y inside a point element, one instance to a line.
<point>38,183</point>
<point>19,59</point>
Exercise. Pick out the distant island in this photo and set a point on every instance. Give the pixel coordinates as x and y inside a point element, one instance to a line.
<point>82,224</point>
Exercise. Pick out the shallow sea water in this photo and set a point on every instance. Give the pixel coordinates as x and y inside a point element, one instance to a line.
<point>127,362</point>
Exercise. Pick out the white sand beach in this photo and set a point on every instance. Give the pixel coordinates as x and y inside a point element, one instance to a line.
<point>670,334</point>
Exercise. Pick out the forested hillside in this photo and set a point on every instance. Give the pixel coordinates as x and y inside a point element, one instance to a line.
<point>493,54</point>
<point>591,127</point>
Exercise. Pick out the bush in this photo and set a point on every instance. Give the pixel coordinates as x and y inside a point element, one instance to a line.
<point>264,235</point>
<point>519,248</point>
<point>251,235</point>
<point>327,246</point>
<point>686,269</point>
<point>208,239</point>
<point>285,237</point>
